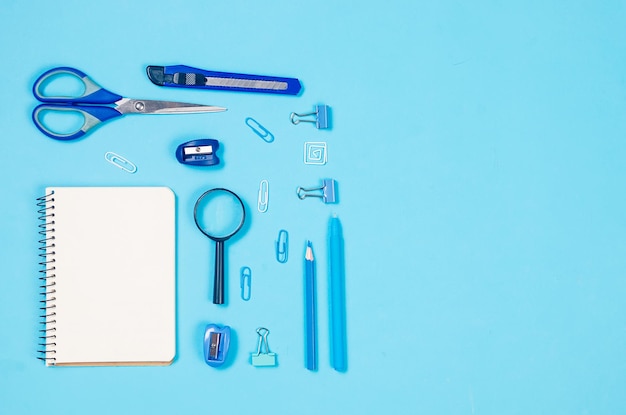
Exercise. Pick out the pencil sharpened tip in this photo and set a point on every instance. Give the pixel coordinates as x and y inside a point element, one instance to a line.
<point>308,252</point>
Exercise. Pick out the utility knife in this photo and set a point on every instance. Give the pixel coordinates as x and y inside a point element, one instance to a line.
<point>181,76</point>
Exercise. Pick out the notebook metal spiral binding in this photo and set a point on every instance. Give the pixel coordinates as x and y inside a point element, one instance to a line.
<point>47,277</point>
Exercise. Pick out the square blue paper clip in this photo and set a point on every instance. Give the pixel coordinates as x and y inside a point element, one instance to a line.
<point>328,189</point>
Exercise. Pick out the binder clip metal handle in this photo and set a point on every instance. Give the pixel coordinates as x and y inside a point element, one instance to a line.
<point>321,117</point>
<point>328,189</point>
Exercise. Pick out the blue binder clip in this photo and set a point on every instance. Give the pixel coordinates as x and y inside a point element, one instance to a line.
<point>216,344</point>
<point>328,189</point>
<point>321,117</point>
<point>263,356</point>
<point>198,152</point>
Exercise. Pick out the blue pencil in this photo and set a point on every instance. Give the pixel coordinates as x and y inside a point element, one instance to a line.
<point>309,305</point>
<point>337,304</point>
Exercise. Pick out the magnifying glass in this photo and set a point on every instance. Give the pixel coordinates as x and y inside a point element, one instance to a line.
<point>219,214</point>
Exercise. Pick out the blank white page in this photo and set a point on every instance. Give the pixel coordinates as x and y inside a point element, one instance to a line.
<point>115,276</point>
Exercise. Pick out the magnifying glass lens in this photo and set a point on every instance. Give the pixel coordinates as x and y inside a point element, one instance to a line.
<point>219,214</point>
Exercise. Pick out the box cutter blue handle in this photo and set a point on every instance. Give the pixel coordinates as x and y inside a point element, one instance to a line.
<point>198,152</point>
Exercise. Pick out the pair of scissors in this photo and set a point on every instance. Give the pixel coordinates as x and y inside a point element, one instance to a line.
<point>97,105</point>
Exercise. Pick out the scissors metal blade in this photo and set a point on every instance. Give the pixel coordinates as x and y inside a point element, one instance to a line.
<point>147,106</point>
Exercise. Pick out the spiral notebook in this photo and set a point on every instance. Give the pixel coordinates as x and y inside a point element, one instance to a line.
<point>108,267</point>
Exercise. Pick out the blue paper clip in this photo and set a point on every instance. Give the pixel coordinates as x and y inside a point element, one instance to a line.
<point>259,130</point>
<point>321,117</point>
<point>282,246</point>
<point>328,189</point>
<point>245,281</point>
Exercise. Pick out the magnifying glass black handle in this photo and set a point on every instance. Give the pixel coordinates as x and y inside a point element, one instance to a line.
<point>218,281</point>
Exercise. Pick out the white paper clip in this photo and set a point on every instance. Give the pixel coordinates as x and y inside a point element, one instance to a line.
<point>321,117</point>
<point>264,196</point>
<point>328,189</point>
<point>119,161</point>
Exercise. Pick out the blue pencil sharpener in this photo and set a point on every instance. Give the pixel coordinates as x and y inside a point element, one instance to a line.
<point>198,152</point>
<point>216,344</point>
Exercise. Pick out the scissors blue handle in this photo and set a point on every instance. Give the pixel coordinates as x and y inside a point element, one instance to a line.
<point>97,105</point>
<point>93,94</point>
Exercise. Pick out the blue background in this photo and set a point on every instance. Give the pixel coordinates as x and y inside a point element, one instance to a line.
<point>479,150</point>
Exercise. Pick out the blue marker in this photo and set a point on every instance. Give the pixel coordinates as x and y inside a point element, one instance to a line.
<point>337,304</point>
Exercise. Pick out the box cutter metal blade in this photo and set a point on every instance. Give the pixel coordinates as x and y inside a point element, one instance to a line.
<point>198,152</point>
